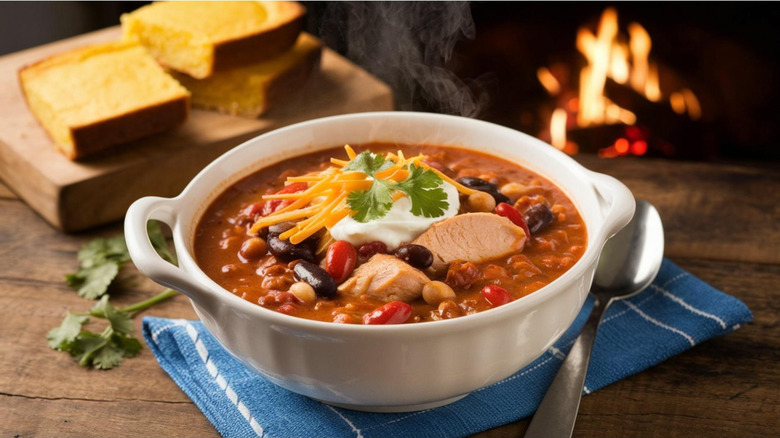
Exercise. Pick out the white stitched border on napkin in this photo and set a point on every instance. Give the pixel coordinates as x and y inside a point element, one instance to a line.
<point>211,367</point>
<point>644,315</point>
<point>688,307</point>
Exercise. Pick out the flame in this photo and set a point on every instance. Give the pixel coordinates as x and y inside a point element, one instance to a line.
<point>558,128</point>
<point>548,81</point>
<point>607,56</point>
<point>640,45</point>
<point>677,101</point>
<point>692,104</point>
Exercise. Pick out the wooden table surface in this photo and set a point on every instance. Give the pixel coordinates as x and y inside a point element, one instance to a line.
<point>722,224</point>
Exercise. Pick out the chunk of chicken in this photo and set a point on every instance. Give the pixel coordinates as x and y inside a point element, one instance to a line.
<point>472,237</point>
<point>387,278</point>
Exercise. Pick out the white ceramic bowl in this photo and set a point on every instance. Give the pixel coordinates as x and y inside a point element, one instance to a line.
<point>382,368</point>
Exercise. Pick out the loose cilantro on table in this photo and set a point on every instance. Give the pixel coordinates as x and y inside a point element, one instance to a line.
<point>423,187</point>
<point>99,263</point>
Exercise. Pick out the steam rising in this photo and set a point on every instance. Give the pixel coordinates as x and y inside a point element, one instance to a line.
<point>408,45</point>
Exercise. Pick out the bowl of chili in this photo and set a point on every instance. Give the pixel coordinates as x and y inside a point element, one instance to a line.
<point>362,359</point>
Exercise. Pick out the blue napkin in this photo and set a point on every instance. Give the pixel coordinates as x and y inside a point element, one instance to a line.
<point>675,313</point>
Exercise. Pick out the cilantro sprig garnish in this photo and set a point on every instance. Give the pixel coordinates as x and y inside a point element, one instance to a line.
<point>423,186</point>
<point>100,261</point>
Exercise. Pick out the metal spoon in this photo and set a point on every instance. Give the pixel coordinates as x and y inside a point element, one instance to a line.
<point>629,262</point>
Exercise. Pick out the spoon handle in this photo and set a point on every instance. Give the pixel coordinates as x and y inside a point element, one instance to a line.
<point>557,412</point>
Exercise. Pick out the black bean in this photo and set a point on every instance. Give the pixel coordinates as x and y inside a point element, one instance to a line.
<point>416,255</point>
<point>483,186</point>
<point>286,251</point>
<point>319,279</point>
<point>280,228</point>
<point>538,217</point>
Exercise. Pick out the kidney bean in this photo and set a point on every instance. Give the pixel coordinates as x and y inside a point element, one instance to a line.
<point>340,260</point>
<point>511,213</point>
<point>483,186</point>
<point>367,250</point>
<point>273,205</point>
<point>496,295</point>
<point>394,312</point>
<point>318,279</point>
<point>538,217</point>
<point>286,251</point>
<point>416,255</point>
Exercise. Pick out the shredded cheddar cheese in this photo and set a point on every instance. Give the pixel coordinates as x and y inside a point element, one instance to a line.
<point>324,202</point>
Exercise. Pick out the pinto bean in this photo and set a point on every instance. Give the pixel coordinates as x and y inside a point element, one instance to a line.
<point>436,291</point>
<point>481,201</point>
<point>304,292</point>
<point>253,248</point>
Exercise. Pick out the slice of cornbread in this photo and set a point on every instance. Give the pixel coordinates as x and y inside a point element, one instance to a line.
<point>94,97</point>
<point>252,90</point>
<point>199,38</point>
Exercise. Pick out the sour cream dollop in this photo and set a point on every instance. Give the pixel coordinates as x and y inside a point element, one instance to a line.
<point>398,226</point>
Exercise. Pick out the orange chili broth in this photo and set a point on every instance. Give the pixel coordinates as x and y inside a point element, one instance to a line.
<point>546,256</point>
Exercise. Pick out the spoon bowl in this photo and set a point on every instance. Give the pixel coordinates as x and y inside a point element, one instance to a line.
<point>628,264</point>
<point>631,258</point>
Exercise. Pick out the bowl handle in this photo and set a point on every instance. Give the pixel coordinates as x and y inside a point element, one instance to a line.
<point>144,255</point>
<point>616,203</point>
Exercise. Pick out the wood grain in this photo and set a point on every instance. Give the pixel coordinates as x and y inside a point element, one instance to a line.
<point>734,213</point>
<point>724,233</point>
<point>74,196</point>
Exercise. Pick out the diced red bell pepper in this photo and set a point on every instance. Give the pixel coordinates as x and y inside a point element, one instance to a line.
<point>394,312</point>
<point>278,204</point>
<point>496,295</point>
<point>511,213</point>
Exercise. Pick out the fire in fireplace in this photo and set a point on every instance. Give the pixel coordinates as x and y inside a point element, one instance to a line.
<point>683,81</point>
<point>613,58</point>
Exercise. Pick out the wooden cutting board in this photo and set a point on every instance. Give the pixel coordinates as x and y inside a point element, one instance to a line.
<point>75,196</point>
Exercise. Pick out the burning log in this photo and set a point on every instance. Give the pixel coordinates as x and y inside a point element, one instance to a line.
<point>666,128</point>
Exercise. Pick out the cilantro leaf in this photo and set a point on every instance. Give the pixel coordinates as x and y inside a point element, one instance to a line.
<point>423,186</point>
<point>61,337</point>
<point>121,322</point>
<point>93,282</point>
<point>86,345</point>
<point>371,204</point>
<point>99,263</point>
<point>159,242</point>
<point>130,345</point>
<point>368,163</point>
<point>101,251</point>
<point>108,356</point>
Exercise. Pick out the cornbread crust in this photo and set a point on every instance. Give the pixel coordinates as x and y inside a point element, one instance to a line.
<point>264,44</point>
<point>94,137</point>
<point>252,90</point>
<point>275,36</point>
<point>104,120</point>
